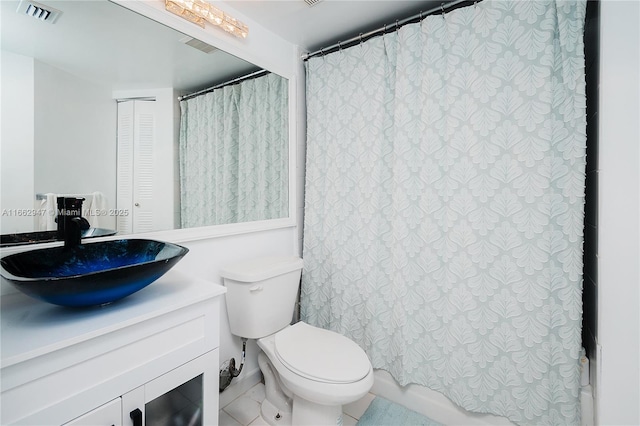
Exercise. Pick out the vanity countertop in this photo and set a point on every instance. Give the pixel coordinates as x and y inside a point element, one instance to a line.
<point>30,328</point>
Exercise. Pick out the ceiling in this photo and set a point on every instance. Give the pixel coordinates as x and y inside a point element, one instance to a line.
<point>105,43</point>
<point>327,21</point>
<point>139,53</point>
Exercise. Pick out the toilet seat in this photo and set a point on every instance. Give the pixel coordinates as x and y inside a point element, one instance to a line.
<point>320,355</point>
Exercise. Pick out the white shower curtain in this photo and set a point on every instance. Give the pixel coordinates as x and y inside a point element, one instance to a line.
<point>234,153</point>
<point>444,204</point>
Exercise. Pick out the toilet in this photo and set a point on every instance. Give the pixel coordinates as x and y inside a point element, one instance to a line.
<point>309,372</point>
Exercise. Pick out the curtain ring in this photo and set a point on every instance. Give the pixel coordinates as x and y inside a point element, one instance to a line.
<point>397,25</point>
<point>420,16</point>
<point>360,39</point>
<point>442,9</point>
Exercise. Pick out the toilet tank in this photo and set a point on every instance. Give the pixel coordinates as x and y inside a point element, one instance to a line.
<point>261,294</point>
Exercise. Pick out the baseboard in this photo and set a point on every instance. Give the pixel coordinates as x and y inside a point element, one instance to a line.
<point>240,385</point>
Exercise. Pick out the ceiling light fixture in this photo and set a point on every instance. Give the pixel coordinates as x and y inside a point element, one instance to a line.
<point>199,11</point>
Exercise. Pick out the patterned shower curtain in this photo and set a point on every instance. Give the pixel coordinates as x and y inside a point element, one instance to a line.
<point>234,153</point>
<point>444,204</point>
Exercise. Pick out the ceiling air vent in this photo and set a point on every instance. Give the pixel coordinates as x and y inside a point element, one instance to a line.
<point>312,2</point>
<point>198,44</point>
<point>38,11</point>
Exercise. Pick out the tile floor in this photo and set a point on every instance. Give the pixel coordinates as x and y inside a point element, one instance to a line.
<point>245,410</point>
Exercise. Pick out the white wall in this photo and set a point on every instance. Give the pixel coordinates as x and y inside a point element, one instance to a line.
<point>618,393</point>
<point>75,134</point>
<point>16,142</point>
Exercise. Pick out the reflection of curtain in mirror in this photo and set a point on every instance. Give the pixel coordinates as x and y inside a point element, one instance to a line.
<point>234,153</point>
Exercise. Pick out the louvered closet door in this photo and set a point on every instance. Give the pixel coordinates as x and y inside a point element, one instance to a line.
<point>143,143</point>
<point>124,188</point>
<point>136,140</point>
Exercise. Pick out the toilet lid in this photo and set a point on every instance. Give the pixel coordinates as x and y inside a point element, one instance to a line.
<point>321,355</point>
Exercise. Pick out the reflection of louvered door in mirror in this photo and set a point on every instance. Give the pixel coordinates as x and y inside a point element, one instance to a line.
<point>135,186</point>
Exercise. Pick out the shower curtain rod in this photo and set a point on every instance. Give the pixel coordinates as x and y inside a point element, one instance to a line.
<point>228,83</point>
<point>443,8</point>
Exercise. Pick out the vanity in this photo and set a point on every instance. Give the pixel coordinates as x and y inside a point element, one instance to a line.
<point>142,360</point>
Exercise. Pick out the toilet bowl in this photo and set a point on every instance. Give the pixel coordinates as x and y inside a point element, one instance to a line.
<point>309,372</point>
<point>322,370</point>
<point>319,365</point>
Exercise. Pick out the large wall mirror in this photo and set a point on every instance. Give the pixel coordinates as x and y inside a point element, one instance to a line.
<point>90,108</point>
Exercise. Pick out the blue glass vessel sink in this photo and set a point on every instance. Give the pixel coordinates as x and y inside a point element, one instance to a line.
<point>90,274</point>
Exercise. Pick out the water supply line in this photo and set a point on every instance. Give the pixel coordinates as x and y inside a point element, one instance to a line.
<point>227,373</point>
<point>234,372</point>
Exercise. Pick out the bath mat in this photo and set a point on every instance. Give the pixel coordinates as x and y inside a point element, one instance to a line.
<point>385,413</point>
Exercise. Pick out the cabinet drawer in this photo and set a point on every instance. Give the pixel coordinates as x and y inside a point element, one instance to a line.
<point>109,414</point>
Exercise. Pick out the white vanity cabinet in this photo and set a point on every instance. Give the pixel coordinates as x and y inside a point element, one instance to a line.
<point>140,361</point>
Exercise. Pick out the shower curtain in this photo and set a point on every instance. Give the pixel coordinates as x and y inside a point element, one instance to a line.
<point>444,204</point>
<point>234,153</point>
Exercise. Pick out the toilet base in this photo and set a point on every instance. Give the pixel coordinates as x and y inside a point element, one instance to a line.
<point>279,409</point>
<point>303,413</point>
<point>307,413</point>
<point>310,402</point>
<point>273,416</point>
